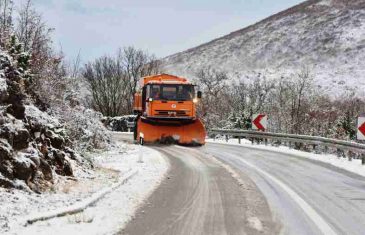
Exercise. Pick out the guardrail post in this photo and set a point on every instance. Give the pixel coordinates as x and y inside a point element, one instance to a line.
<point>315,148</point>
<point>239,140</point>
<point>350,155</point>
<point>363,159</point>
<point>265,142</point>
<point>290,145</point>
<point>339,153</point>
<point>326,149</point>
<point>226,138</point>
<point>318,149</point>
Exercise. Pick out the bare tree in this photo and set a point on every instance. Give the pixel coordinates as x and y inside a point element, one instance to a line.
<point>136,64</point>
<point>279,104</point>
<point>74,68</point>
<point>105,78</point>
<point>214,107</point>
<point>6,20</point>
<point>32,31</point>
<point>114,81</point>
<point>301,88</point>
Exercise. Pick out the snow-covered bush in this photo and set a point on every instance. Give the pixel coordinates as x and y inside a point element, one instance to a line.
<point>84,127</point>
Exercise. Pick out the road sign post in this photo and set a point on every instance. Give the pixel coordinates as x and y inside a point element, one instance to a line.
<point>361,127</point>
<point>259,122</point>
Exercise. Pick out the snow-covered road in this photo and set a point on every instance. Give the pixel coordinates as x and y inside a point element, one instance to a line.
<point>307,196</point>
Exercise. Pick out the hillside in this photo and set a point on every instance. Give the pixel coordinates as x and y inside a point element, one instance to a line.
<point>327,36</point>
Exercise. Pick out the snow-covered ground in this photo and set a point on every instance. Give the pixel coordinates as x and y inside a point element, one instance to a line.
<point>106,216</point>
<point>327,36</point>
<point>353,166</point>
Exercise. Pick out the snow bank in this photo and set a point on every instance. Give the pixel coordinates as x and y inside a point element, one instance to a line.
<point>353,166</point>
<point>109,214</point>
<point>80,206</point>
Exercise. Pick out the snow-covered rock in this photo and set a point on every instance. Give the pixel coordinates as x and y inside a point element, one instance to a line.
<point>3,89</point>
<point>33,145</point>
<point>35,115</point>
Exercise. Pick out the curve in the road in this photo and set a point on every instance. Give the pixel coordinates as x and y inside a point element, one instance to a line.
<point>333,200</point>
<point>200,197</point>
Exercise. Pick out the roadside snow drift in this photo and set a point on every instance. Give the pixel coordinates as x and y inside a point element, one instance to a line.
<point>116,206</point>
<point>353,166</point>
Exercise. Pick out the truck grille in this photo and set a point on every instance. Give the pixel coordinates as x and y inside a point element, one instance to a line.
<point>172,113</point>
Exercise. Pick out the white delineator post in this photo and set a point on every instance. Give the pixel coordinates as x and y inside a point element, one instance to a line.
<point>140,155</point>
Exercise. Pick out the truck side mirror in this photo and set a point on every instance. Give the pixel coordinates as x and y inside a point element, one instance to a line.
<point>199,95</point>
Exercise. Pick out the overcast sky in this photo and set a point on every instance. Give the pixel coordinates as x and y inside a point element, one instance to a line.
<point>163,27</point>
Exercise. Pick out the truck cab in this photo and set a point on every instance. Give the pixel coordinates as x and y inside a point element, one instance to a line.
<point>166,97</point>
<point>166,111</point>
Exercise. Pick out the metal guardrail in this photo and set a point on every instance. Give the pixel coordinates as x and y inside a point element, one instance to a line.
<point>353,150</point>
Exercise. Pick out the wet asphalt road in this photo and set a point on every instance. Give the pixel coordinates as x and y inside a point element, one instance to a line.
<point>278,194</point>
<point>200,197</point>
<point>308,197</point>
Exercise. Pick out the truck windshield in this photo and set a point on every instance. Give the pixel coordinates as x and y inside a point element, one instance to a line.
<point>172,92</point>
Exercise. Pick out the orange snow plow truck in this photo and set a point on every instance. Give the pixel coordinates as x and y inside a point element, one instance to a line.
<point>166,111</point>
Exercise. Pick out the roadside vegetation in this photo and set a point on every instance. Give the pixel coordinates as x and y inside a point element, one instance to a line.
<point>113,80</point>
<point>51,109</point>
<point>294,104</point>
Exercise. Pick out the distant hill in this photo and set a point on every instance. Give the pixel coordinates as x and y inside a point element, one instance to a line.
<point>328,36</point>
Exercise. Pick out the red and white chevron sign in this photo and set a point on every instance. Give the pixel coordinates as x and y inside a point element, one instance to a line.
<point>361,128</point>
<point>259,122</point>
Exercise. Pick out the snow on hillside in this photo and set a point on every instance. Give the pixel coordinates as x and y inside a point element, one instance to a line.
<point>327,36</point>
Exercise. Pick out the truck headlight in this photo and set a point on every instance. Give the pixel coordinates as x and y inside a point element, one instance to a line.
<point>195,100</point>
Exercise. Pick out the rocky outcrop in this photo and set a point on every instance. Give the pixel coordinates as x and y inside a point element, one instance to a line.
<point>34,146</point>
<point>33,151</point>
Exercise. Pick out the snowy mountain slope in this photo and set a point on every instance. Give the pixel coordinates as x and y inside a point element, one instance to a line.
<point>327,36</point>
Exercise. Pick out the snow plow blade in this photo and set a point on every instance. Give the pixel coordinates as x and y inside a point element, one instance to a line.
<point>191,133</point>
